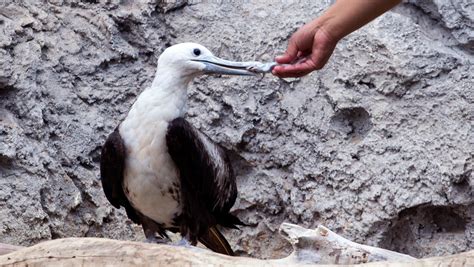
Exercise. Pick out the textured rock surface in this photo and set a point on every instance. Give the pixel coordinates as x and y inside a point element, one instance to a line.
<point>378,146</point>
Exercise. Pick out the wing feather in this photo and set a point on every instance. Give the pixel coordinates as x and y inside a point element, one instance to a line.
<point>112,162</point>
<point>207,181</point>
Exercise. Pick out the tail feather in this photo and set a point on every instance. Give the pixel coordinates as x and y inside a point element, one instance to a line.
<point>216,242</point>
<point>230,221</point>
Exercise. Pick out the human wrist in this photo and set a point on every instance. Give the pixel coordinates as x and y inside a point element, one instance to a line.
<point>325,25</point>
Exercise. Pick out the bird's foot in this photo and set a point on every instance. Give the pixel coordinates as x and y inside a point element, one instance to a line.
<point>182,243</point>
<point>155,240</point>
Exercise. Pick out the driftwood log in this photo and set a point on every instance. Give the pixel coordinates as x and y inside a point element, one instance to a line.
<point>5,248</point>
<point>319,246</point>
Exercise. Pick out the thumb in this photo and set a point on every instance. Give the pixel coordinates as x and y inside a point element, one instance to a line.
<point>290,54</point>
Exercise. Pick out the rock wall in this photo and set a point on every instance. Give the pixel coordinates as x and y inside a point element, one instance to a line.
<point>378,146</point>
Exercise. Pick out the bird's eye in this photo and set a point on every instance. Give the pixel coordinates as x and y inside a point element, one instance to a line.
<point>196,51</point>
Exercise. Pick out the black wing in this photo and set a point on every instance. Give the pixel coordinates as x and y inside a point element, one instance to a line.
<point>207,181</point>
<point>112,162</point>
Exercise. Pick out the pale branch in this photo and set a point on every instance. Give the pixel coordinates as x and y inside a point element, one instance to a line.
<point>6,248</point>
<point>311,247</point>
<point>324,246</point>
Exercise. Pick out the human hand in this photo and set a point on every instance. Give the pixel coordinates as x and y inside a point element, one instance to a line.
<point>309,49</point>
<point>311,46</point>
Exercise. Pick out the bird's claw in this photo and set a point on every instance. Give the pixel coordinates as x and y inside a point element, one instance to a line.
<point>156,240</point>
<point>182,243</point>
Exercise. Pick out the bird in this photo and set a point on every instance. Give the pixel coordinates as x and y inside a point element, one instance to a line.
<point>167,174</point>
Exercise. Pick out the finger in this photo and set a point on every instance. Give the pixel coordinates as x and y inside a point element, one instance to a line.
<point>291,75</point>
<point>295,70</point>
<point>290,53</point>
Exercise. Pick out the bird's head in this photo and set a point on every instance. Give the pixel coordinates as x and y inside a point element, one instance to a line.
<point>190,60</point>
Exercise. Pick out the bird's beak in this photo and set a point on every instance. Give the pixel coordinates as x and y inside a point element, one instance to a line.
<point>215,65</point>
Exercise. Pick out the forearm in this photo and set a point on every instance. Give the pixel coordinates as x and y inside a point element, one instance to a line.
<point>346,16</point>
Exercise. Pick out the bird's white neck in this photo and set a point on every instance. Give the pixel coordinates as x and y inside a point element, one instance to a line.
<point>165,99</point>
<point>169,79</point>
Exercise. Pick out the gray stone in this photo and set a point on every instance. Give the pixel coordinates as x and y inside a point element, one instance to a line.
<point>378,145</point>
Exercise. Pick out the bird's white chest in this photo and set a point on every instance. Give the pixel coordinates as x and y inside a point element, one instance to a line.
<point>151,182</point>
